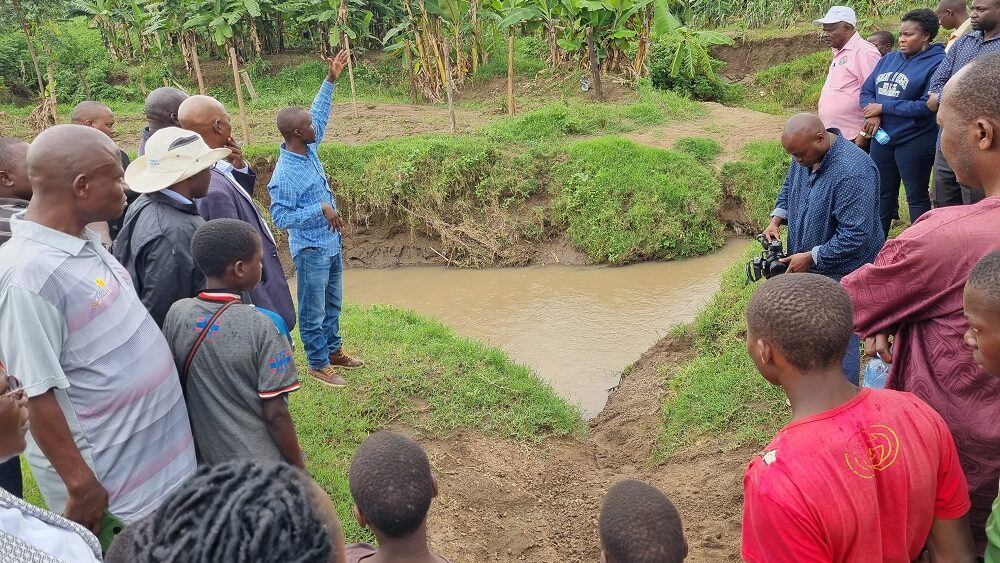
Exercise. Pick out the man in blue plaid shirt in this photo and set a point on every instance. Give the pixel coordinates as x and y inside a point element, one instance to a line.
<point>303,203</point>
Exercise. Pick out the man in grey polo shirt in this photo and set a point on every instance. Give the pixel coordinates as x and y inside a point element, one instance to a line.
<point>109,428</point>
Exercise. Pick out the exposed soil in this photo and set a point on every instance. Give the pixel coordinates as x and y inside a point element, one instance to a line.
<point>744,58</point>
<point>732,127</point>
<point>503,501</point>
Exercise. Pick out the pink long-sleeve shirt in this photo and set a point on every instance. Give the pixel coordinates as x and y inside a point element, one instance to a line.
<point>839,102</point>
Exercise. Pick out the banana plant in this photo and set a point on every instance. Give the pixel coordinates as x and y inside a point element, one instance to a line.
<point>690,48</point>
<point>515,14</point>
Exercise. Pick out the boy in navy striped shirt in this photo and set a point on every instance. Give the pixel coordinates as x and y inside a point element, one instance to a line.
<point>303,203</point>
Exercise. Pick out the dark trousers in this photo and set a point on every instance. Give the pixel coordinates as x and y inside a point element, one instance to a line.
<point>947,190</point>
<point>10,477</point>
<point>910,163</point>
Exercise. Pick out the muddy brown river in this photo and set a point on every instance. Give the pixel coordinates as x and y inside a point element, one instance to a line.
<point>577,327</point>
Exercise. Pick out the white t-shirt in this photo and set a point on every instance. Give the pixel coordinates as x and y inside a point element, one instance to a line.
<point>42,531</point>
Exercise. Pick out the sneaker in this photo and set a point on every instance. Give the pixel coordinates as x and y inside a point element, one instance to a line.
<point>342,360</point>
<point>328,376</point>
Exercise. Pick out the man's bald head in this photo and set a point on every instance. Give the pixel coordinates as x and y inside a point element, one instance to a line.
<point>77,170</point>
<point>805,138</point>
<point>162,106</point>
<point>94,114</point>
<point>969,117</point>
<point>208,117</point>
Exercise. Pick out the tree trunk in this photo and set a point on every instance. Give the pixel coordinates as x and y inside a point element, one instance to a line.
<point>550,31</point>
<point>186,54</point>
<point>281,33</point>
<point>350,75</point>
<point>239,93</point>
<point>477,37</point>
<point>254,38</point>
<point>510,72</point>
<point>52,94</point>
<point>409,71</point>
<point>31,47</point>
<point>640,56</point>
<point>449,86</point>
<point>324,30</point>
<point>197,67</point>
<point>83,81</point>
<point>595,66</point>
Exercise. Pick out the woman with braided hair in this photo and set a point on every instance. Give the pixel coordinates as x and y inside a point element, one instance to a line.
<point>237,512</point>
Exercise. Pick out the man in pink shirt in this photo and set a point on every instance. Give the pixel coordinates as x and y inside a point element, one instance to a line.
<point>853,60</point>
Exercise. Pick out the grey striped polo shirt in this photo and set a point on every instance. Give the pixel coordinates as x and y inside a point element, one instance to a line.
<point>71,321</point>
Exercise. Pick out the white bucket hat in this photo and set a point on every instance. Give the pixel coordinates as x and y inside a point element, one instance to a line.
<point>172,154</point>
<point>839,14</point>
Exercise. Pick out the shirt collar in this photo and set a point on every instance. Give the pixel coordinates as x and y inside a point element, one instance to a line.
<point>220,295</point>
<point>176,196</point>
<point>851,45</point>
<point>13,202</point>
<point>290,154</point>
<point>20,227</point>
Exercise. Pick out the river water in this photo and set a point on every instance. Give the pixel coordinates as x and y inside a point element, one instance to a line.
<point>577,327</point>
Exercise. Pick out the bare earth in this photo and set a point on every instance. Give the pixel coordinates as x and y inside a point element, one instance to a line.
<point>502,501</point>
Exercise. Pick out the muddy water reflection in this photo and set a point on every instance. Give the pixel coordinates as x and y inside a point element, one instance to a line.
<point>578,327</point>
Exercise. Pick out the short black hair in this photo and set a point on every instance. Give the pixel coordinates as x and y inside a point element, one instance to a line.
<point>6,154</point>
<point>926,19</point>
<point>809,318</point>
<point>87,109</point>
<point>391,482</point>
<point>639,524</point>
<point>290,119</point>
<point>237,512</point>
<point>885,37</point>
<point>220,242</point>
<point>985,276</point>
<point>976,92</point>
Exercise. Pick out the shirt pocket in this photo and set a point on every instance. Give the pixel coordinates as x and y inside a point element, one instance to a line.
<point>841,78</point>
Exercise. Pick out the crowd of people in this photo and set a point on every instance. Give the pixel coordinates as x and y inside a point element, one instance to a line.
<point>147,357</point>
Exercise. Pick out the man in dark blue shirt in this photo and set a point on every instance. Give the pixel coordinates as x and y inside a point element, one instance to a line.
<point>984,40</point>
<point>830,203</point>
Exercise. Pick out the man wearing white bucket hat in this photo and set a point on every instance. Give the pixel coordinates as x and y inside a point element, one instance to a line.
<point>154,244</point>
<point>853,60</point>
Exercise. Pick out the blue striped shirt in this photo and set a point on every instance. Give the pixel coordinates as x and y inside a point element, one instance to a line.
<point>965,50</point>
<point>299,187</point>
<point>833,212</point>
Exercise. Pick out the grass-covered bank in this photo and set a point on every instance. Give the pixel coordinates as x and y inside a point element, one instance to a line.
<point>491,197</point>
<point>420,375</point>
<point>719,394</point>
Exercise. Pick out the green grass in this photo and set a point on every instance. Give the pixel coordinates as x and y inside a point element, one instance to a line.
<point>719,393</point>
<point>624,203</point>
<point>421,375</point>
<point>789,87</point>
<point>704,151</point>
<point>755,181</point>
<point>573,117</point>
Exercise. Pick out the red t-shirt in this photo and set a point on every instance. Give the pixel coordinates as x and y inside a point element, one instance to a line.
<point>861,482</point>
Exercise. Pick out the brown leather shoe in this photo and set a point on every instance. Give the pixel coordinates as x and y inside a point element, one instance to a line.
<point>342,360</point>
<point>328,376</point>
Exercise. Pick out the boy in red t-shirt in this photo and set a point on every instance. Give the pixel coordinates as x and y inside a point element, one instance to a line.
<point>858,474</point>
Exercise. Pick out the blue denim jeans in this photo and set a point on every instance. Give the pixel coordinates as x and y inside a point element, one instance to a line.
<point>321,294</point>
<point>852,360</point>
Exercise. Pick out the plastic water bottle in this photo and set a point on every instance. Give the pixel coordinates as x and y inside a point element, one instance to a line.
<point>882,137</point>
<point>875,373</point>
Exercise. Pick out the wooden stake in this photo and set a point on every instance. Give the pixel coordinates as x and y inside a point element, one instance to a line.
<point>52,94</point>
<point>350,75</point>
<point>510,73</point>
<point>246,81</point>
<point>239,94</point>
<point>197,67</point>
<point>449,86</point>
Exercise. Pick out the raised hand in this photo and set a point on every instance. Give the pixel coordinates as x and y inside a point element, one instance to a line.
<point>336,65</point>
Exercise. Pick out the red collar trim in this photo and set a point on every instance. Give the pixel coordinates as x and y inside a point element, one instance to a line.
<point>221,296</point>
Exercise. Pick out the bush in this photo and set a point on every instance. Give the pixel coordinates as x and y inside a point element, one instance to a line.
<point>705,86</point>
<point>661,206</point>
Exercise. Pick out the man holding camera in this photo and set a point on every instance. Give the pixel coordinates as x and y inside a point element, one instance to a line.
<point>830,203</point>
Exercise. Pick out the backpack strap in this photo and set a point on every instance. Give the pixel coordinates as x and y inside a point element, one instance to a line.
<point>201,338</point>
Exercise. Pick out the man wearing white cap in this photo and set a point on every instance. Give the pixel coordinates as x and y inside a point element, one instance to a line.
<point>853,60</point>
<point>154,244</point>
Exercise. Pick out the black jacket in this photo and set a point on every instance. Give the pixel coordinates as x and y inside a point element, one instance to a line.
<point>154,245</point>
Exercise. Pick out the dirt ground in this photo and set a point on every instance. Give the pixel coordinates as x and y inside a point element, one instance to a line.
<point>733,127</point>
<point>744,58</point>
<point>502,501</point>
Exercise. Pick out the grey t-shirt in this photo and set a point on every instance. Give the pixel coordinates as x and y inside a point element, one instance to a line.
<point>243,360</point>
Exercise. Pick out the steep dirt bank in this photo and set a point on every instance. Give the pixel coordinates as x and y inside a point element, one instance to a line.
<point>502,501</point>
<point>746,57</point>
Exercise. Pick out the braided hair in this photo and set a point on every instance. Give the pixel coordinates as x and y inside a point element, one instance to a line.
<point>237,512</point>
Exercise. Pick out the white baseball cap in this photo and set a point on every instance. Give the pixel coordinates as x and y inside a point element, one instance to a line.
<point>172,154</point>
<point>839,14</point>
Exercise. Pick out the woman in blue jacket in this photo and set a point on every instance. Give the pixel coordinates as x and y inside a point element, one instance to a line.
<point>903,128</point>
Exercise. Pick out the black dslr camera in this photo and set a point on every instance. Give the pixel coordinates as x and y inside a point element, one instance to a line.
<point>768,264</point>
